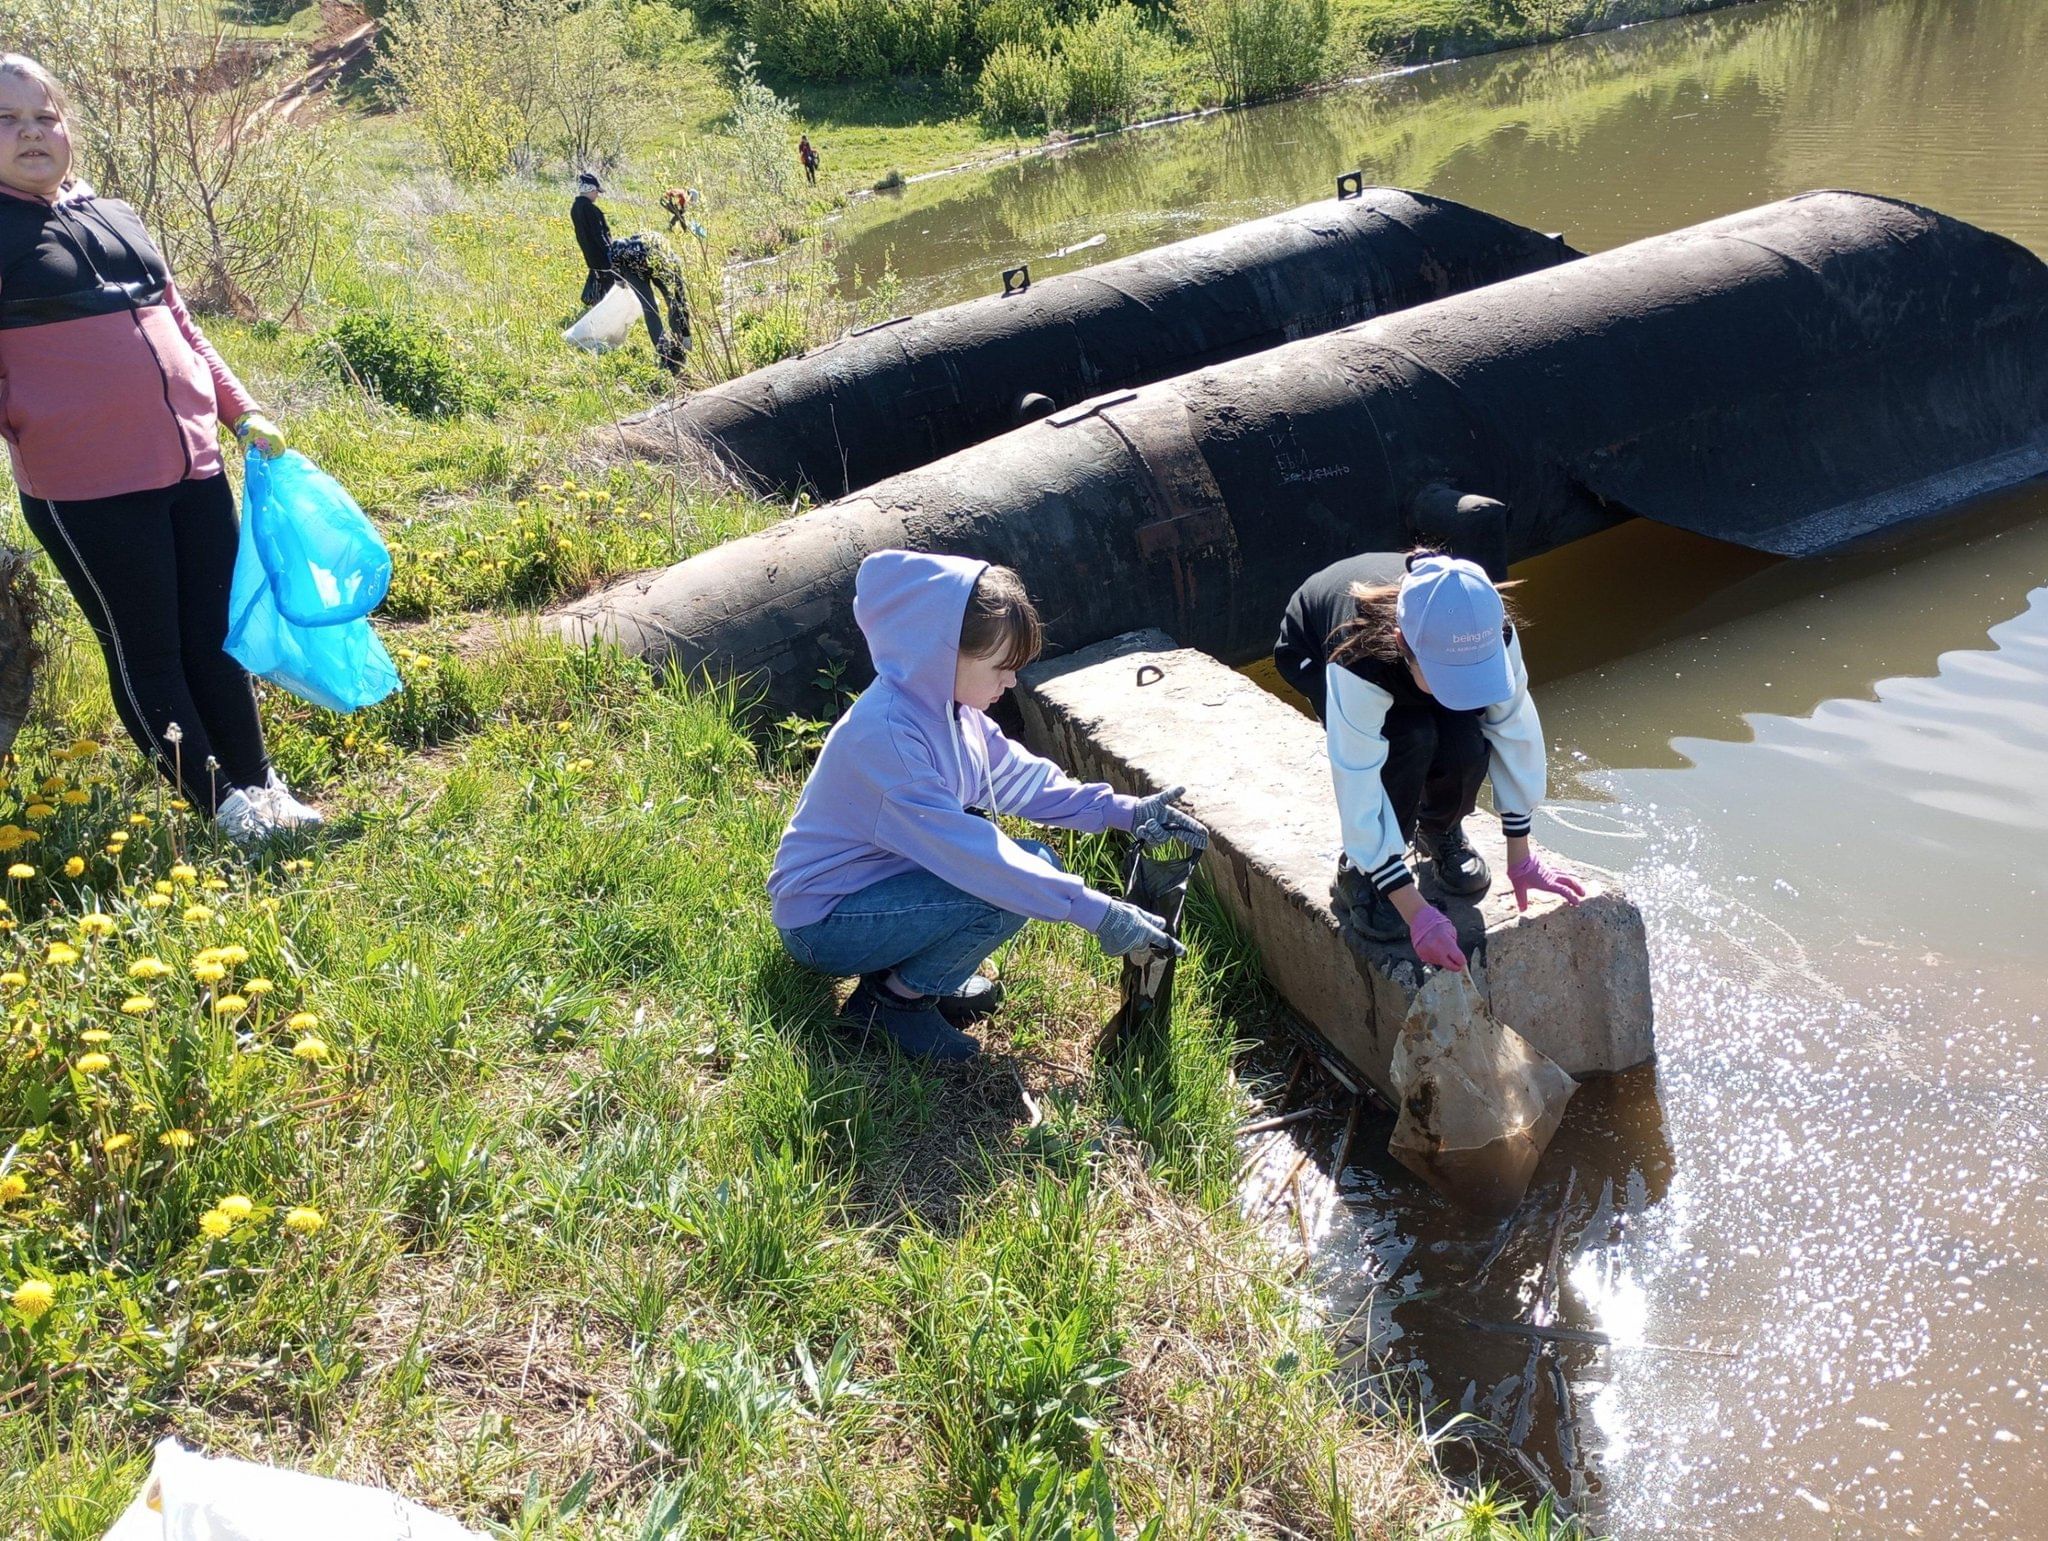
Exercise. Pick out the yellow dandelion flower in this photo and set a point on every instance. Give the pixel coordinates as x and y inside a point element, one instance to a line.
<point>184,872</point>
<point>178,1139</point>
<point>75,867</point>
<point>310,1047</point>
<point>214,885</point>
<point>234,955</point>
<point>137,1006</point>
<point>32,1297</point>
<point>38,811</point>
<point>85,748</point>
<point>148,968</point>
<point>96,924</point>
<point>21,871</point>
<point>13,1186</point>
<point>61,954</point>
<point>11,836</point>
<point>303,1021</point>
<point>215,1224</point>
<point>228,1005</point>
<point>269,904</point>
<point>304,1220</point>
<point>118,837</point>
<point>236,1206</point>
<point>209,973</point>
<point>53,784</point>
<point>116,1143</point>
<point>156,902</point>
<point>77,797</point>
<point>95,1035</point>
<point>139,820</point>
<point>29,837</point>
<point>162,886</point>
<point>198,914</point>
<point>93,1064</point>
<point>258,987</point>
<point>179,805</point>
<point>14,979</point>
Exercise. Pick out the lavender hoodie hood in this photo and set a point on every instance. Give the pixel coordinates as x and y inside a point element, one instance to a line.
<point>900,770</point>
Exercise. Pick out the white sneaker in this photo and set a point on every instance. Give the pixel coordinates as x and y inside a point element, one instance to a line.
<point>286,811</point>
<point>244,817</point>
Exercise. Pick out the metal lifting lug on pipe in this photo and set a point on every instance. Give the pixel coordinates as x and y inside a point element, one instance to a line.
<point>1789,378</point>
<point>875,403</point>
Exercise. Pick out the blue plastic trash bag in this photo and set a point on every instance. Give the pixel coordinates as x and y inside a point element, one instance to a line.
<point>326,562</point>
<point>342,667</point>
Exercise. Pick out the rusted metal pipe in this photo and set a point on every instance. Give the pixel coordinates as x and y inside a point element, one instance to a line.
<point>886,398</point>
<point>1788,378</point>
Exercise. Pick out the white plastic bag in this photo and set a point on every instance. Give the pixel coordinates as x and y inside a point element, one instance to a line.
<point>190,1497</point>
<point>1478,1100</point>
<point>608,323</point>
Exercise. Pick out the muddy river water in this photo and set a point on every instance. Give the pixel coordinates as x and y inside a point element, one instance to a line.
<point>1815,1233</point>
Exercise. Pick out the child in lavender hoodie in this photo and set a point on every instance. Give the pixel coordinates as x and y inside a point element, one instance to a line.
<point>887,869</point>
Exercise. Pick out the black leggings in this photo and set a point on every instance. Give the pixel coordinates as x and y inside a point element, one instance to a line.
<point>1436,761</point>
<point>151,572</point>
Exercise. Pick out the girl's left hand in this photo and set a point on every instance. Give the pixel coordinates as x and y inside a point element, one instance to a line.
<point>1158,822</point>
<point>1532,874</point>
<point>260,433</point>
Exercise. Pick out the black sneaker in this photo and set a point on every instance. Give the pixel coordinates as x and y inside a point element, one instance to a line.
<point>972,1001</point>
<point>1362,908</point>
<point>1459,870</point>
<point>914,1025</point>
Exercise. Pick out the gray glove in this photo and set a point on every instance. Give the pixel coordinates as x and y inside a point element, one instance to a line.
<point>1158,821</point>
<point>1127,929</point>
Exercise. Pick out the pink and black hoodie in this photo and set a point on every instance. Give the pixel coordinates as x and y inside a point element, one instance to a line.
<point>107,386</point>
<point>899,772</point>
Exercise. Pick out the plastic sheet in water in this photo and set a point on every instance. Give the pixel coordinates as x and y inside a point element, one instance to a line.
<point>1478,1101</point>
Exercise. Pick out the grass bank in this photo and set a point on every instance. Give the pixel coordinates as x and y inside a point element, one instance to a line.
<point>488,1146</point>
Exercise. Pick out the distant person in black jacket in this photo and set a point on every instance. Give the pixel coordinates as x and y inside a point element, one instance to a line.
<point>593,238</point>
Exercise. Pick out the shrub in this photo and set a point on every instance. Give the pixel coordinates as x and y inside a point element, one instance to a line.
<point>863,39</point>
<point>404,361</point>
<point>1258,48</point>
<point>1104,59</point>
<point>1023,83</point>
<point>1033,22</point>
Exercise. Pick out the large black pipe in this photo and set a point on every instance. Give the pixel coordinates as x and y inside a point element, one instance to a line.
<point>891,397</point>
<point>1788,378</point>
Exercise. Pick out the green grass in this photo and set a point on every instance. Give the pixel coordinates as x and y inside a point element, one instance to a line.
<point>601,1196</point>
<point>600,1192</point>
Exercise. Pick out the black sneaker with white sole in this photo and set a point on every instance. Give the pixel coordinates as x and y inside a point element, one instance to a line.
<point>1362,908</point>
<point>1458,869</point>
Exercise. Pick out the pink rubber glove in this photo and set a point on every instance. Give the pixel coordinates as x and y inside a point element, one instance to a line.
<point>1435,939</point>
<point>1532,874</point>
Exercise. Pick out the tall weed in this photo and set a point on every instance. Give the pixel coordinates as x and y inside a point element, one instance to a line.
<point>1255,49</point>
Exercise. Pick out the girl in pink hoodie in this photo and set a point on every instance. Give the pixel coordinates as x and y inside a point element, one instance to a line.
<point>110,401</point>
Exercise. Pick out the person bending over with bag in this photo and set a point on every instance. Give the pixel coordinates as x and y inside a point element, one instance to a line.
<point>111,400</point>
<point>893,867</point>
<point>1422,691</point>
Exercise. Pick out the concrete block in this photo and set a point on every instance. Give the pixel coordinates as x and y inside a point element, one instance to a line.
<point>1142,713</point>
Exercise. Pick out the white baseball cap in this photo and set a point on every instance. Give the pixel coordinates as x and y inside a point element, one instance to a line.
<point>1452,619</point>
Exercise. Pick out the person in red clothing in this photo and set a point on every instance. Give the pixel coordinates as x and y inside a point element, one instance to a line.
<point>111,401</point>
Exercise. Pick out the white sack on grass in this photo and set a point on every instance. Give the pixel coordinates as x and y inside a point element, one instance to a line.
<point>190,1497</point>
<point>1478,1100</point>
<point>608,323</point>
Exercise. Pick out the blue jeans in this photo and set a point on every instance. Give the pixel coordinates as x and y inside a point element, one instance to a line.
<point>932,934</point>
